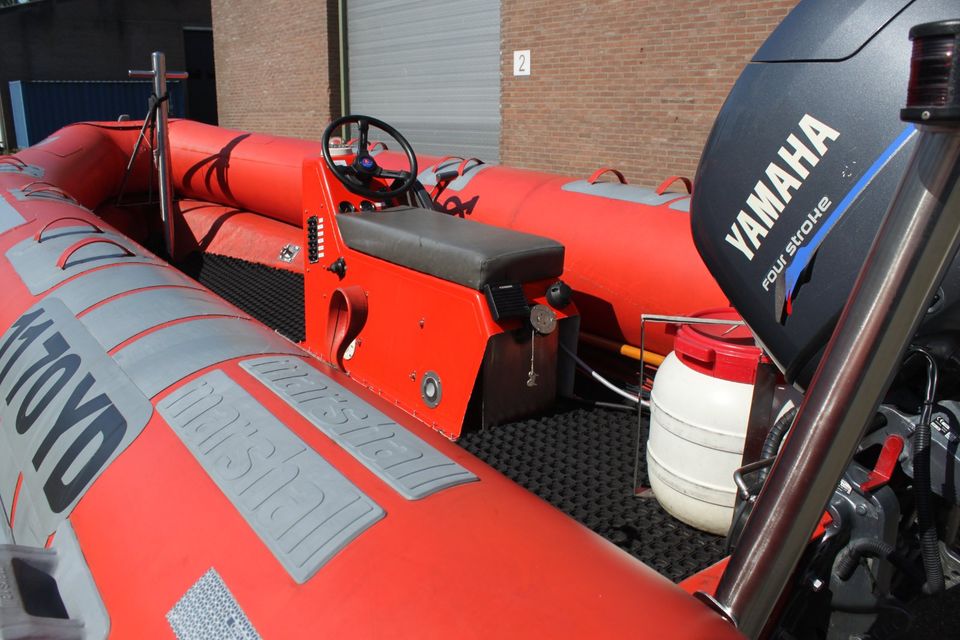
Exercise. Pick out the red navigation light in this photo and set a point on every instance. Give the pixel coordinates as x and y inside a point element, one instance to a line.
<point>933,94</point>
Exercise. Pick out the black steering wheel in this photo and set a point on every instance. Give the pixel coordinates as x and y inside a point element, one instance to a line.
<point>357,176</point>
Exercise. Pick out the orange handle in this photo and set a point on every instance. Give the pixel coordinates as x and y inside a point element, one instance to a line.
<point>669,181</point>
<point>345,318</point>
<point>39,236</point>
<point>602,170</point>
<point>436,166</point>
<point>62,262</point>
<point>45,187</point>
<point>370,145</point>
<point>14,160</point>
<point>463,165</point>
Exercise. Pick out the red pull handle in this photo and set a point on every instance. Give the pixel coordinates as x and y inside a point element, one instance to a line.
<point>669,181</point>
<point>602,170</point>
<point>436,166</point>
<point>370,145</point>
<point>463,165</point>
<point>62,262</point>
<point>14,160</point>
<point>345,318</point>
<point>41,186</point>
<point>39,236</point>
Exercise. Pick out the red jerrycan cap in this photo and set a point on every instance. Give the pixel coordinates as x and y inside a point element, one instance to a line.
<point>727,352</point>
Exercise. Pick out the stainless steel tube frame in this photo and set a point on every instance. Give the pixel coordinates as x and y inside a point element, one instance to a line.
<point>909,257</point>
<point>161,153</point>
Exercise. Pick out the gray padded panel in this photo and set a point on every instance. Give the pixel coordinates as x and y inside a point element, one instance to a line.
<point>68,411</point>
<point>617,191</point>
<point>303,509</point>
<point>89,289</point>
<point>450,248</point>
<point>208,611</point>
<point>75,581</point>
<point>398,457</point>
<point>36,262</point>
<point>64,563</point>
<point>681,205</point>
<point>122,318</point>
<point>9,216</point>
<point>157,360</point>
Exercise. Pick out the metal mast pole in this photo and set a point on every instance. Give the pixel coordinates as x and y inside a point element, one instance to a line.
<point>161,153</point>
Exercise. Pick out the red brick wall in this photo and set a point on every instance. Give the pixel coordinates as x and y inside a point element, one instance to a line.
<point>630,84</point>
<point>277,65</point>
<point>633,85</point>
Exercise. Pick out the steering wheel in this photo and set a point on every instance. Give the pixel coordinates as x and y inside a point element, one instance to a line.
<point>357,176</point>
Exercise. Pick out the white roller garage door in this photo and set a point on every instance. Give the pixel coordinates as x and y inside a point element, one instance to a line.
<point>431,69</point>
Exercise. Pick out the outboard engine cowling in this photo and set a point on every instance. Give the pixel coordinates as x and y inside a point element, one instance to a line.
<point>801,165</point>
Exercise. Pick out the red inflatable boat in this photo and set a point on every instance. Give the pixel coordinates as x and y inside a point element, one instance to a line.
<point>172,465</point>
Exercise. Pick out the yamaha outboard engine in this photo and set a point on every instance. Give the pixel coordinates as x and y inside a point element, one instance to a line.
<point>801,165</point>
<point>799,171</point>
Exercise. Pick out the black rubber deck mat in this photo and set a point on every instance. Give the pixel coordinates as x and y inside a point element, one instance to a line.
<point>582,461</point>
<point>272,296</point>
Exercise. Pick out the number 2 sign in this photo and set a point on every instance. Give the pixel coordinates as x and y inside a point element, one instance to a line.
<point>521,63</point>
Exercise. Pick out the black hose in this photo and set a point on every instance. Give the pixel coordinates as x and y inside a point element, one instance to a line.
<point>856,550</point>
<point>929,548</point>
<point>771,444</point>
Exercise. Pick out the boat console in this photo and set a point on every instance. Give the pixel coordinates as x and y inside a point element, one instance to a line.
<point>445,316</point>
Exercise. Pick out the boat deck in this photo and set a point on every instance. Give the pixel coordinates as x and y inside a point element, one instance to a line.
<point>580,459</point>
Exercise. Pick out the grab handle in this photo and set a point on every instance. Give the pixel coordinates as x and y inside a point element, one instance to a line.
<point>46,187</point>
<point>370,145</point>
<point>14,160</point>
<point>39,235</point>
<point>42,186</point>
<point>602,170</point>
<point>463,165</point>
<point>669,181</point>
<point>65,256</point>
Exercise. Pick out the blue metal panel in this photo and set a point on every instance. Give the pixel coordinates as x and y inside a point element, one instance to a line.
<point>41,107</point>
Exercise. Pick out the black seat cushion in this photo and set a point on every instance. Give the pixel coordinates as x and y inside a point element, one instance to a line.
<point>463,251</point>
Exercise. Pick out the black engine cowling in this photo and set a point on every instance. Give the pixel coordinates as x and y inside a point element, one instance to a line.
<point>801,165</point>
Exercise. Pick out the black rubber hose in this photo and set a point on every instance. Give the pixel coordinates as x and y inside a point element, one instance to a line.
<point>771,444</point>
<point>929,549</point>
<point>856,550</point>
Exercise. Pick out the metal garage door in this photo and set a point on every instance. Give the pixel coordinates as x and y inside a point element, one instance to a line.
<point>431,69</point>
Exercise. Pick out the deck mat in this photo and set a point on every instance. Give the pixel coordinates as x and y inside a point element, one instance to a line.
<point>581,461</point>
<point>272,296</point>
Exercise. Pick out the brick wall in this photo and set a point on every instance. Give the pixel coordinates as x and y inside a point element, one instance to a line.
<point>630,84</point>
<point>634,85</point>
<point>277,65</point>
